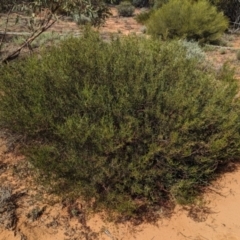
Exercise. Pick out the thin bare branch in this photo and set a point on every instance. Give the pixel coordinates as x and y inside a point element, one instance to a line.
<point>28,41</point>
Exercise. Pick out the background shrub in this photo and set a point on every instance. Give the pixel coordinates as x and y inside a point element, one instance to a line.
<point>130,123</point>
<point>238,55</point>
<point>231,9</point>
<point>143,16</point>
<point>186,19</point>
<point>159,3</point>
<point>125,9</point>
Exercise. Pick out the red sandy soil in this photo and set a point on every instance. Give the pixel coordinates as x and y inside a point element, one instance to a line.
<point>215,216</point>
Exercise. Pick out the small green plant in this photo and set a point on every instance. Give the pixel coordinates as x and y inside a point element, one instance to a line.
<point>81,19</point>
<point>143,29</point>
<point>223,51</point>
<point>125,9</point>
<point>221,42</point>
<point>238,55</point>
<point>198,21</point>
<point>230,37</point>
<point>143,16</point>
<point>209,48</point>
<point>193,50</point>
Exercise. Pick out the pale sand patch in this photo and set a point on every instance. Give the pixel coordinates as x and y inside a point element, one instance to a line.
<point>221,223</point>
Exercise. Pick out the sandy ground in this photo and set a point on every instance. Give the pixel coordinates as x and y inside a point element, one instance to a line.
<point>214,217</point>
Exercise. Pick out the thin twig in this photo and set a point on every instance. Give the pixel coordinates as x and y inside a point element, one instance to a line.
<point>29,40</point>
<point>45,25</point>
<point>184,235</point>
<point>220,194</point>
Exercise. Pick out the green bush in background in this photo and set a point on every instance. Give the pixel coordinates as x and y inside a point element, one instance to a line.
<point>130,123</point>
<point>159,3</point>
<point>184,19</point>
<point>125,9</point>
<point>231,9</point>
<point>143,16</point>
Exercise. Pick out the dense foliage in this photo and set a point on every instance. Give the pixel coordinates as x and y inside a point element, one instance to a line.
<point>131,132</point>
<point>125,9</point>
<point>198,21</point>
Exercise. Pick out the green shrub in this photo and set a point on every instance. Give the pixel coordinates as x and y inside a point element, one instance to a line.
<point>125,9</point>
<point>231,8</point>
<point>223,51</point>
<point>143,16</point>
<point>199,21</point>
<point>130,123</point>
<point>159,3</point>
<point>193,50</point>
<point>238,55</point>
<point>81,19</point>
